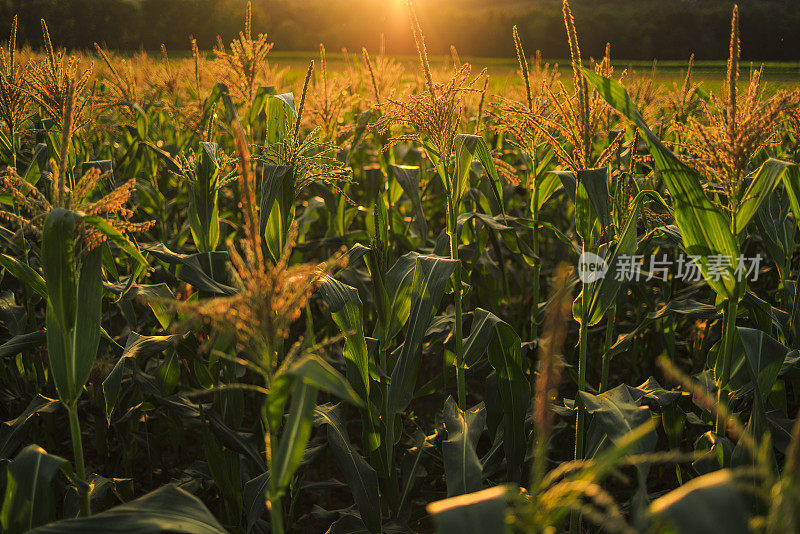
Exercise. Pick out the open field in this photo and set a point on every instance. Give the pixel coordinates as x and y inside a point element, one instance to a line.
<point>504,71</point>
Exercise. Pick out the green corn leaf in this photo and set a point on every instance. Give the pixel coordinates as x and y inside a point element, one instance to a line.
<point>238,442</point>
<point>167,509</point>
<point>606,462</point>
<point>569,181</point>
<point>483,325</point>
<point>492,335</point>
<point>255,499</point>
<point>374,260</point>
<point>13,433</point>
<point>399,280</point>
<point>280,115</point>
<point>168,374</point>
<point>464,147</point>
<point>74,307</point>
<point>777,231</point>
<point>360,476</point>
<point>38,161</point>
<point>141,121</point>
<point>704,229</point>
<point>203,212</point>
<point>345,306</point>
<point>589,190</point>
<point>272,185</point>
<point>279,390</point>
<point>617,413</point>
<point>258,104</point>
<point>156,296</point>
<point>408,178</point>
<point>85,335</point>
<point>194,269</point>
<point>586,217</point>
<point>21,342</point>
<point>431,274</point>
<point>791,182</point>
<point>136,346</point>
<point>467,147</point>
<point>548,184</point>
<point>462,467</point>
<point>224,468</point>
<point>277,206</point>
<point>115,237</point>
<point>709,503</point>
<point>58,264</point>
<point>757,361</point>
<point>413,471</point>
<point>476,513</point>
<point>25,273</point>
<point>28,500</point>
<point>381,214</point>
<point>627,441</point>
<point>221,92</point>
<point>756,364</point>
<point>759,190</point>
<point>295,435</point>
<point>430,279</point>
<point>504,351</point>
<point>594,181</point>
<point>316,372</point>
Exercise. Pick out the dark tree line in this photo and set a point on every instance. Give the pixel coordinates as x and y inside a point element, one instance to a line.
<point>643,29</point>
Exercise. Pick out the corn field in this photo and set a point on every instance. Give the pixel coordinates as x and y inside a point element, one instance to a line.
<point>395,298</point>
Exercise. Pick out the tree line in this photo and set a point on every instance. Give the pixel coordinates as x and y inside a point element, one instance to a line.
<point>645,29</point>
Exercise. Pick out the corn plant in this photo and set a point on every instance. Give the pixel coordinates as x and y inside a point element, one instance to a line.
<point>74,308</point>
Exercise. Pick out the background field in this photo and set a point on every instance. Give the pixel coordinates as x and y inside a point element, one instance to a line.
<point>778,74</point>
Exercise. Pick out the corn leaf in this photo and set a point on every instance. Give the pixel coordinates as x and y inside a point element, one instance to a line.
<point>709,503</point>
<point>203,212</point>
<point>462,467</point>
<point>475,513</point>
<point>276,212</point>
<point>791,181</point>
<point>74,306</point>
<point>704,229</point>
<point>167,509</point>
<point>466,147</point>
<point>431,274</point>
<point>28,500</point>
<point>759,190</point>
<point>408,178</point>
<point>505,348</point>
<point>360,476</point>
<point>24,273</point>
<point>295,435</point>
<point>345,306</point>
<point>316,372</point>
<point>114,235</point>
<point>430,278</point>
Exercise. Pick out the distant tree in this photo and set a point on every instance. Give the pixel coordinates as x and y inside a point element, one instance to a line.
<point>637,29</point>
